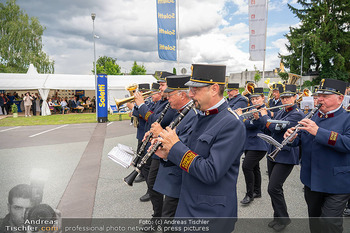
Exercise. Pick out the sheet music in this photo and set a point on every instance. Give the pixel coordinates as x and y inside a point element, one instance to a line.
<point>120,156</point>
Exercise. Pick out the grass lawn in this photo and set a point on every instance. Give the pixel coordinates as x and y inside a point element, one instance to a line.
<point>58,119</point>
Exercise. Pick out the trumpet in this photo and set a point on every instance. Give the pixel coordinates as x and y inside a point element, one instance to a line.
<point>129,180</point>
<point>120,102</point>
<point>306,93</point>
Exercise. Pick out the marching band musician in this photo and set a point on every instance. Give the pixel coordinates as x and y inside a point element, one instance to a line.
<point>141,130</point>
<point>275,100</point>
<point>254,149</point>
<point>325,160</point>
<point>235,99</point>
<point>168,181</point>
<point>280,169</point>
<point>151,117</point>
<point>210,160</point>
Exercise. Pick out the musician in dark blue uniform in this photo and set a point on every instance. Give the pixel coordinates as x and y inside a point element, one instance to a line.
<point>235,99</point>
<point>280,169</point>
<point>168,181</point>
<point>254,149</point>
<point>275,100</point>
<point>150,117</point>
<point>210,159</point>
<point>325,160</point>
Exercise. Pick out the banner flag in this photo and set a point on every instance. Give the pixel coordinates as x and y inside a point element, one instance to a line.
<point>257,29</point>
<point>102,98</point>
<point>166,18</point>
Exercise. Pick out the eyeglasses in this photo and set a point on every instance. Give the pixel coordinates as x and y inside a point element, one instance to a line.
<point>173,93</point>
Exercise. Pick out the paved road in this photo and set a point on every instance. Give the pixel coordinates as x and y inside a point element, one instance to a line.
<point>59,149</point>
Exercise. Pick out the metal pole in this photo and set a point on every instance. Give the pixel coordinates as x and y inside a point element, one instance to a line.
<point>267,11</point>
<point>178,34</point>
<point>301,65</point>
<point>93,16</point>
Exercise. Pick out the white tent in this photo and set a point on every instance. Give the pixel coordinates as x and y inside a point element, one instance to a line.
<point>44,82</point>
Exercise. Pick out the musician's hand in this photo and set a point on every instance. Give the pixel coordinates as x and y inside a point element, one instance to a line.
<point>162,152</point>
<point>289,132</point>
<point>168,138</point>
<point>309,125</point>
<point>263,111</point>
<point>130,105</point>
<point>256,115</point>
<point>238,111</point>
<point>272,114</point>
<point>146,135</point>
<point>139,98</point>
<point>156,129</point>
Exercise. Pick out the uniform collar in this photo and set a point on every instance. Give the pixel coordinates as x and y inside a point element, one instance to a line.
<point>330,113</point>
<point>290,108</point>
<point>216,108</point>
<point>182,108</point>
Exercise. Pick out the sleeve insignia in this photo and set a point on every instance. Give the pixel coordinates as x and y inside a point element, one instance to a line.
<point>187,160</point>
<point>147,115</point>
<point>268,124</point>
<point>332,138</point>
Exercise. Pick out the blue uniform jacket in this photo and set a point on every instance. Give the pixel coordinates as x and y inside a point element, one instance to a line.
<point>211,163</point>
<point>253,142</point>
<point>288,155</point>
<point>168,181</point>
<point>273,104</point>
<point>238,101</point>
<point>151,115</point>
<point>141,126</point>
<point>325,160</point>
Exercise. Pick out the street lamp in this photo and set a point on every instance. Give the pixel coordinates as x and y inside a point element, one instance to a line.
<point>93,16</point>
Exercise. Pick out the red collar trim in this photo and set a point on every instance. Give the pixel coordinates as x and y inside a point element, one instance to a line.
<point>320,115</point>
<point>211,112</point>
<point>289,109</point>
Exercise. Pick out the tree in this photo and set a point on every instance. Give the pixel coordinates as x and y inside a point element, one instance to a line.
<point>107,65</point>
<point>324,38</point>
<point>20,41</point>
<point>138,70</point>
<point>284,76</point>
<point>257,75</point>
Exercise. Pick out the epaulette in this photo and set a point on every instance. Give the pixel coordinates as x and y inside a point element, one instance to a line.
<point>233,112</point>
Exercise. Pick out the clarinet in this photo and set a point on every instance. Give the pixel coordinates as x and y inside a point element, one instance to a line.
<point>129,180</point>
<point>148,138</point>
<point>273,154</point>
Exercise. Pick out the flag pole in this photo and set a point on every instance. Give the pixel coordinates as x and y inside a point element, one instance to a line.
<point>267,12</point>
<point>178,35</point>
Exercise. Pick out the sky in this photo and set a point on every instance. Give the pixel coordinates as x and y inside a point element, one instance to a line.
<point>211,32</point>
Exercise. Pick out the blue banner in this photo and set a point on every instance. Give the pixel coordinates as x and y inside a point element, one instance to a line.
<point>166,17</point>
<point>102,98</point>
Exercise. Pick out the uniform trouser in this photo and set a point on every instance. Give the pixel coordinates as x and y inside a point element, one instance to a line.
<point>278,174</point>
<point>156,198</point>
<point>34,108</point>
<point>251,170</point>
<point>325,211</point>
<point>169,206</point>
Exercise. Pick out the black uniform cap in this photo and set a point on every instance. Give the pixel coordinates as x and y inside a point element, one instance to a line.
<point>163,75</point>
<point>332,86</point>
<point>176,82</point>
<point>155,86</point>
<point>258,91</point>
<point>232,86</point>
<point>287,90</point>
<point>144,87</point>
<point>276,86</point>
<point>204,75</point>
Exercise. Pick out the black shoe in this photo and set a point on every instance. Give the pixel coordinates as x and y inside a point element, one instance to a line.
<point>256,195</point>
<point>145,197</point>
<point>272,223</point>
<point>246,200</point>
<point>139,179</point>
<point>279,227</point>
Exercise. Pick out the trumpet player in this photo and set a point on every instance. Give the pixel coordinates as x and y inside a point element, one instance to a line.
<point>325,160</point>
<point>282,166</point>
<point>235,99</point>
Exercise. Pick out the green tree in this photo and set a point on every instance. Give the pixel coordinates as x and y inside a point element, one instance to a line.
<point>20,41</point>
<point>257,75</point>
<point>107,65</point>
<point>284,76</point>
<point>138,70</point>
<point>323,37</point>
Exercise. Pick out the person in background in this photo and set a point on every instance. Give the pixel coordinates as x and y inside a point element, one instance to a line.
<point>275,100</point>
<point>235,99</point>
<point>3,104</point>
<point>27,100</point>
<point>64,105</point>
